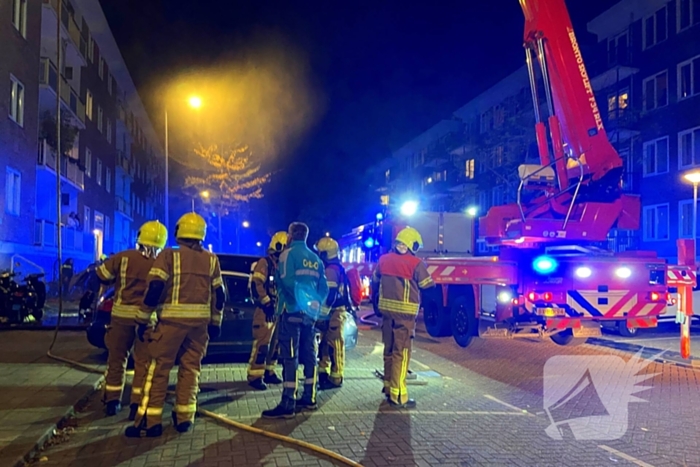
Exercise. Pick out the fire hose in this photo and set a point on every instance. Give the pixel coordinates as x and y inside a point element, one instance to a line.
<point>207,413</point>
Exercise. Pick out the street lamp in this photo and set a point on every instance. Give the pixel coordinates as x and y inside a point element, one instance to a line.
<point>246,224</point>
<point>195,102</point>
<point>204,194</point>
<point>472,211</point>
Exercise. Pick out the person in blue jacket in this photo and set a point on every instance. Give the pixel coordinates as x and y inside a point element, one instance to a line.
<point>302,288</point>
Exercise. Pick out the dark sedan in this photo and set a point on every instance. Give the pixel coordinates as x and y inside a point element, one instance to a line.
<point>236,329</point>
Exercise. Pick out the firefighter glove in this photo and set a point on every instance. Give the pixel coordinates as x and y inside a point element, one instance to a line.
<point>269,311</point>
<point>214,331</point>
<point>141,331</point>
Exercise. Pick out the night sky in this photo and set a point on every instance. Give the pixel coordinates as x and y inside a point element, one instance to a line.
<point>387,71</point>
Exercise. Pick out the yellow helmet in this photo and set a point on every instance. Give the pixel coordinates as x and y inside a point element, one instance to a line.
<point>152,233</point>
<point>328,246</point>
<point>411,238</point>
<point>278,242</point>
<point>191,226</point>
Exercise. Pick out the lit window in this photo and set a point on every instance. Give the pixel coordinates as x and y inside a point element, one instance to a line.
<point>469,169</point>
<point>16,101</point>
<point>617,103</point>
<point>13,191</point>
<point>88,104</point>
<point>19,16</point>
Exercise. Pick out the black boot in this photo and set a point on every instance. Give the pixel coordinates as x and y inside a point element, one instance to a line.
<point>322,379</point>
<point>272,378</point>
<point>305,405</point>
<point>285,409</point>
<point>327,384</point>
<point>113,408</point>
<point>257,384</point>
<point>137,432</point>
<point>132,411</point>
<point>183,427</point>
<point>409,404</point>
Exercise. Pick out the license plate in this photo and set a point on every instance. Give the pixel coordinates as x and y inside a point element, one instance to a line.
<point>551,312</point>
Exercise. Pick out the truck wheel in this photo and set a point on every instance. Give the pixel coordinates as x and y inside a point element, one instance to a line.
<point>436,316</point>
<point>463,321</point>
<point>624,330</point>
<point>566,338</point>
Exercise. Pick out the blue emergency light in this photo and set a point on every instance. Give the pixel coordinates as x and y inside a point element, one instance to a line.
<point>545,264</point>
<point>369,242</point>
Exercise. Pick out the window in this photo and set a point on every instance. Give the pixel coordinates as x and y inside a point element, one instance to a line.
<point>685,218</point>
<point>656,91</point>
<point>101,68</point>
<point>13,191</point>
<point>109,84</point>
<point>19,16</point>
<point>688,13</point>
<point>100,118</point>
<point>98,172</point>
<point>656,157</point>
<point>689,78</point>
<point>618,49</point>
<point>655,28</point>
<point>109,131</point>
<point>689,148</point>
<point>86,218</point>
<point>88,162</point>
<point>91,48</point>
<point>88,104</point>
<point>656,222</point>
<point>617,103</point>
<point>108,228</point>
<point>469,169</point>
<point>16,101</point>
<point>108,179</point>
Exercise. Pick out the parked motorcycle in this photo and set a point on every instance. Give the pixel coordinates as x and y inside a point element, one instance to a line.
<point>18,302</point>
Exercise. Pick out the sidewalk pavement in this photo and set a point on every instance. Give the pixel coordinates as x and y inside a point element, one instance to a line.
<point>37,391</point>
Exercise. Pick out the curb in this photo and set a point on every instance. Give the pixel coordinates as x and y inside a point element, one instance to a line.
<point>648,352</point>
<point>24,460</point>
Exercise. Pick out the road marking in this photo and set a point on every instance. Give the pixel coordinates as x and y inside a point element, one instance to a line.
<point>626,457</point>
<point>416,362</point>
<point>506,404</point>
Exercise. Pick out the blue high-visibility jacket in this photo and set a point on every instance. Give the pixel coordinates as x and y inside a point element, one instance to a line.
<point>298,264</point>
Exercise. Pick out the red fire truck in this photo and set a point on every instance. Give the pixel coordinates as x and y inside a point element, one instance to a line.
<point>550,278</point>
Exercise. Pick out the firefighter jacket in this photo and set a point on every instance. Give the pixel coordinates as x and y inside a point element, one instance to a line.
<point>191,277</point>
<point>400,279</point>
<point>298,264</point>
<point>129,272</point>
<point>263,287</point>
<point>338,293</point>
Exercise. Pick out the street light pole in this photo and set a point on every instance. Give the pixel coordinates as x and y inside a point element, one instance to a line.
<point>167,177</point>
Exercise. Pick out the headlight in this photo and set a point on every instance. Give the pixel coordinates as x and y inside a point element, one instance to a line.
<point>583,272</point>
<point>623,272</point>
<point>505,297</point>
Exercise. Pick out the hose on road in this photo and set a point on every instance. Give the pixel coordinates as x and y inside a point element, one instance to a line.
<point>206,413</point>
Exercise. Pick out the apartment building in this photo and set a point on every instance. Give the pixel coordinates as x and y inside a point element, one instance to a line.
<point>652,49</point>
<point>112,168</point>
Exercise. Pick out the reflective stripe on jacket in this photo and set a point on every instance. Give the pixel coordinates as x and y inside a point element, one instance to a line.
<point>263,281</point>
<point>400,279</point>
<point>129,271</point>
<point>191,276</point>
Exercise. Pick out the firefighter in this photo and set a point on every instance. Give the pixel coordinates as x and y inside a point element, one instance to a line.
<point>300,273</point>
<point>397,281</point>
<point>128,271</point>
<point>263,357</point>
<point>332,349</point>
<point>185,284</point>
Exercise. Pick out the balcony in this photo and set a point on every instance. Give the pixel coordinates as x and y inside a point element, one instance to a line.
<point>612,76</point>
<point>70,31</point>
<point>45,235</point>
<point>123,206</point>
<point>48,77</point>
<point>70,171</point>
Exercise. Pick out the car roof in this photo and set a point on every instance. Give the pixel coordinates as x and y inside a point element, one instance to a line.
<point>237,263</point>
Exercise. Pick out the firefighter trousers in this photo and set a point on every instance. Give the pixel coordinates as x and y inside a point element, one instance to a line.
<point>332,348</point>
<point>119,339</point>
<point>188,340</point>
<point>297,344</point>
<point>398,331</point>
<point>263,356</point>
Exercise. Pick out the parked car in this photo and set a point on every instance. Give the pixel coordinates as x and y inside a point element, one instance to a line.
<point>236,328</point>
